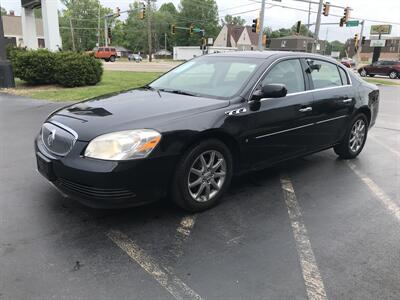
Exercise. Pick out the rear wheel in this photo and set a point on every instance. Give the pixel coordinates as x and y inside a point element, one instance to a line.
<point>354,139</point>
<point>363,73</point>
<point>202,176</point>
<point>393,75</point>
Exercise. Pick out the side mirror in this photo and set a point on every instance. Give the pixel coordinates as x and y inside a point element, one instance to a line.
<point>273,90</point>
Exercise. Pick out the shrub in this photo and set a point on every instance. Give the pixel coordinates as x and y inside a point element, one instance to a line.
<point>73,69</point>
<point>34,67</point>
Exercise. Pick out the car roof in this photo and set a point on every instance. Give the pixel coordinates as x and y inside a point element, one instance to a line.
<point>269,54</point>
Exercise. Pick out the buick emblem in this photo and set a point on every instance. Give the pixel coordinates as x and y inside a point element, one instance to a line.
<point>51,137</point>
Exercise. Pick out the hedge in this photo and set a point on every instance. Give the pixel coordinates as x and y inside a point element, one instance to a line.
<point>68,69</point>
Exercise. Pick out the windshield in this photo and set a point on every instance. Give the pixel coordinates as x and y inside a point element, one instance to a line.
<point>217,77</point>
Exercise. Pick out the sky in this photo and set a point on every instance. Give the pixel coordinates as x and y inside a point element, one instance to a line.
<point>277,17</point>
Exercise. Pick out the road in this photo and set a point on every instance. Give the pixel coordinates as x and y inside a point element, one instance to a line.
<point>144,66</point>
<point>313,228</point>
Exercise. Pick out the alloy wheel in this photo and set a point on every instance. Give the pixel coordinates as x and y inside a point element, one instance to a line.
<point>357,135</point>
<point>393,75</point>
<point>363,73</point>
<point>207,176</point>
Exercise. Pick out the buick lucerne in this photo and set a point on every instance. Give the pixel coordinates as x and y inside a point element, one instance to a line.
<point>188,132</point>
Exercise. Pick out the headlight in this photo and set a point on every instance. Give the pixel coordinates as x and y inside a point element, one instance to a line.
<point>123,145</point>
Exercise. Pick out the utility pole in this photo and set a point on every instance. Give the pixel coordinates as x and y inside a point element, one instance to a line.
<point>261,32</point>
<point>105,32</point>
<point>360,42</point>
<point>149,28</point>
<point>317,25</point>
<point>309,16</point>
<point>72,34</point>
<point>98,28</point>
<point>6,72</point>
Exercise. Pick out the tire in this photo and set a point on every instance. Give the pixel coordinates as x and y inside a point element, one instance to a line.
<point>363,73</point>
<point>112,58</point>
<point>106,59</point>
<point>393,75</point>
<point>371,75</point>
<point>354,140</point>
<point>192,170</point>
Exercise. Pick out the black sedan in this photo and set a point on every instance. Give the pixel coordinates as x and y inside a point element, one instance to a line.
<point>188,132</point>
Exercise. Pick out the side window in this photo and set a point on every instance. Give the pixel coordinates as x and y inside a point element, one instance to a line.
<point>343,75</point>
<point>324,74</point>
<point>289,73</point>
<point>107,49</point>
<point>101,49</point>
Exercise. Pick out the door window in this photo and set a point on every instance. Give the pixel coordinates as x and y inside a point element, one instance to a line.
<point>324,74</point>
<point>289,73</point>
<point>343,75</point>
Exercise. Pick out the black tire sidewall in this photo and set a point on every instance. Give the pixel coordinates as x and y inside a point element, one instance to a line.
<point>181,194</point>
<point>344,148</point>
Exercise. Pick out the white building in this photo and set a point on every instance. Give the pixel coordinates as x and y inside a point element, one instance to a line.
<point>240,37</point>
<point>189,52</point>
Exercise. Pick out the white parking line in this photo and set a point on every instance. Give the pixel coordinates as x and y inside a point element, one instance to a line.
<point>182,234</point>
<point>376,140</point>
<point>388,203</point>
<point>175,286</point>
<point>312,278</point>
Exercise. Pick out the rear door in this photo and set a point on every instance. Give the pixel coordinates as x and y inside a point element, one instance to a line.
<point>334,100</point>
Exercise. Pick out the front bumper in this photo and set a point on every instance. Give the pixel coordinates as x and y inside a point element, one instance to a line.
<point>105,184</point>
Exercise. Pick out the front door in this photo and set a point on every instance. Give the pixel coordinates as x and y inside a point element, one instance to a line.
<point>281,127</point>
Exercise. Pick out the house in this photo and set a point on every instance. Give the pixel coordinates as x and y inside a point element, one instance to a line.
<point>12,26</point>
<point>240,37</point>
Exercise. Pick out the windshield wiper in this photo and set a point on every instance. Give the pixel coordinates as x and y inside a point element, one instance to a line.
<point>180,92</point>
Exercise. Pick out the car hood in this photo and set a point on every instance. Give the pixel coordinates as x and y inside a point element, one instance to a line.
<point>131,110</point>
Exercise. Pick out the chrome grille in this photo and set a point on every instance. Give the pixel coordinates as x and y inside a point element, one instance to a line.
<point>58,139</point>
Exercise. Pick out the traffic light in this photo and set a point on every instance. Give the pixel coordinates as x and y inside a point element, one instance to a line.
<point>173,29</point>
<point>327,6</point>
<point>109,34</point>
<point>346,15</point>
<point>363,40</point>
<point>255,26</point>
<point>191,29</point>
<point>117,11</point>
<point>355,42</point>
<point>342,21</point>
<point>298,27</point>
<point>142,12</point>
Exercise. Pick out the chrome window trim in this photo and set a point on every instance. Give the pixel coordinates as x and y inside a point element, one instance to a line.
<point>302,92</point>
<point>299,127</point>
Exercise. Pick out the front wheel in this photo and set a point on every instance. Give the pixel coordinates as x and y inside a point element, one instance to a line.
<point>393,75</point>
<point>112,58</point>
<point>363,73</point>
<point>354,139</point>
<point>202,176</point>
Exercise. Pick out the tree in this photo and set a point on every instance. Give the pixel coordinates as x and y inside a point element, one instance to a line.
<point>200,14</point>
<point>230,20</point>
<point>135,30</point>
<point>3,11</point>
<point>83,14</point>
<point>303,30</point>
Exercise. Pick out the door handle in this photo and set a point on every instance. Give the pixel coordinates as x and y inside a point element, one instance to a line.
<point>347,100</point>
<point>305,109</point>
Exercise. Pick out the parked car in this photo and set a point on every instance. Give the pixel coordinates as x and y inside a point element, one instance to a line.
<point>348,62</point>
<point>135,57</point>
<point>189,131</point>
<point>106,53</point>
<point>382,67</point>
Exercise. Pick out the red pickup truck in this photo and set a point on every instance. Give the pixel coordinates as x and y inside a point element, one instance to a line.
<point>106,53</point>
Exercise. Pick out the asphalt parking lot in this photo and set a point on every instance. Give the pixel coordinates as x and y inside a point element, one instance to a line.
<point>312,228</point>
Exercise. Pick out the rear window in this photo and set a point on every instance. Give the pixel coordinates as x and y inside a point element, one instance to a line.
<point>324,74</point>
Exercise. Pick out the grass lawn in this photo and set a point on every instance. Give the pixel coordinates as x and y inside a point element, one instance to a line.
<point>112,82</point>
<point>382,81</point>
